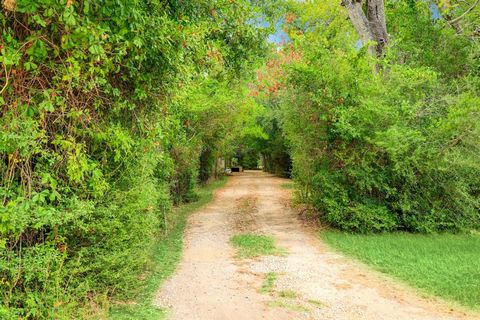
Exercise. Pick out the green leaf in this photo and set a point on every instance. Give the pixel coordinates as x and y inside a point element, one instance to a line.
<point>96,49</point>
<point>47,105</point>
<point>39,20</point>
<point>30,66</point>
<point>38,50</point>
<point>86,6</point>
<point>69,17</point>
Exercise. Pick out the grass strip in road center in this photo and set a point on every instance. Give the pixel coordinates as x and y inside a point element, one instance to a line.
<point>250,245</point>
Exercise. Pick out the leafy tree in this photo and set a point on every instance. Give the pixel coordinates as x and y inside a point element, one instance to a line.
<point>391,149</point>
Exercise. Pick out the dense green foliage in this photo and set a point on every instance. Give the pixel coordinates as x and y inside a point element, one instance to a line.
<point>110,111</point>
<point>445,265</point>
<point>380,144</point>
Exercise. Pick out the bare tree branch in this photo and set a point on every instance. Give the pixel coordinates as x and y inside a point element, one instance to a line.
<point>460,17</point>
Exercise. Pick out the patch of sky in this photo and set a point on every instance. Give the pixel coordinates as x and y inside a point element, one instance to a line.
<point>279,36</point>
<point>436,15</point>
<point>358,45</point>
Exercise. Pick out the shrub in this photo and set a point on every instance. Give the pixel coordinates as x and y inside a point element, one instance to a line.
<point>362,218</point>
<point>380,145</point>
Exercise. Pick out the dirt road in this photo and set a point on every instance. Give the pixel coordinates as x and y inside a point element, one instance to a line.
<point>312,281</point>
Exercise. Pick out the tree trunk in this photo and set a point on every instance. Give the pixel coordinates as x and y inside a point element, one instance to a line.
<point>371,26</point>
<point>378,26</point>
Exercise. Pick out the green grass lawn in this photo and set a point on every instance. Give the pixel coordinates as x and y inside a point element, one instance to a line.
<point>444,265</point>
<point>166,255</point>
